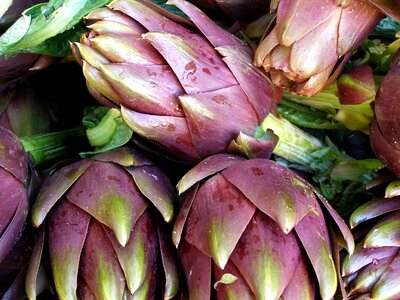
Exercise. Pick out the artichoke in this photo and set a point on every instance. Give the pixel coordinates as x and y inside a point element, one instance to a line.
<point>25,143</point>
<point>190,90</point>
<point>23,112</point>
<point>102,232</point>
<point>372,271</point>
<point>385,127</point>
<point>311,40</point>
<point>14,191</point>
<point>257,230</point>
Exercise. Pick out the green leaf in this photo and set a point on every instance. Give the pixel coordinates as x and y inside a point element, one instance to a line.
<point>4,6</point>
<point>375,52</point>
<point>17,31</point>
<point>45,21</point>
<point>55,146</point>
<point>59,44</point>
<point>306,116</point>
<point>355,169</point>
<point>387,28</point>
<point>227,278</point>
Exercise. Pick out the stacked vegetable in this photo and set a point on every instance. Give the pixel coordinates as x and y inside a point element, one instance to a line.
<point>263,122</point>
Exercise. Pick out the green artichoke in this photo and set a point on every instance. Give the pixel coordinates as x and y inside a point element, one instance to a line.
<point>102,230</point>
<point>372,271</point>
<point>258,231</point>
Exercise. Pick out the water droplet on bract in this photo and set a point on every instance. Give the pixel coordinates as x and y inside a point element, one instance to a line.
<point>375,261</point>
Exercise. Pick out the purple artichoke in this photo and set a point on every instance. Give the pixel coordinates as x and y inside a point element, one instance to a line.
<point>257,230</point>
<point>14,190</point>
<point>23,112</point>
<point>102,232</point>
<point>16,66</point>
<point>311,40</point>
<point>190,90</point>
<point>385,128</point>
<point>372,271</point>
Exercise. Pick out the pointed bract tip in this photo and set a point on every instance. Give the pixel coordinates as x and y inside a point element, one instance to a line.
<point>37,217</point>
<point>220,260</point>
<point>122,238</point>
<point>176,239</point>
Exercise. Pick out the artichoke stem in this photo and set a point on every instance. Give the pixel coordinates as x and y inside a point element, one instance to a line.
<point>51,147</point>
<point>102,133</point>
<point>294,145</point>
<point>305,150</point>
<point>328,100</point>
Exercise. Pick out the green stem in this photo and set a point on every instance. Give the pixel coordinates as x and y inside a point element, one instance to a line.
<point>53,146</point>
<point>294,144</point>
<point>306,116</point>
<point>308,152</point>
<point>102,133</point>
<point>328,100</point>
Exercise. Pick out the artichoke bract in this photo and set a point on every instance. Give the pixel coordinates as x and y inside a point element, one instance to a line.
<point>372,271</point>
<point>385,127</point>
<point>311,40</point>
<point>102,230</point>
<point>14,190</point>
<point>257,230</point>
<point>188,90</point>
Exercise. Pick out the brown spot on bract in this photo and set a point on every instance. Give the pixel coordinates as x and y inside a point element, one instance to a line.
<point>257,171</point>
<point>191,67</point>
<point>114,178</point>
<point>182,139</point>
<point>207,71</point>
<point>171,127</point>
<point>220,99</point>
